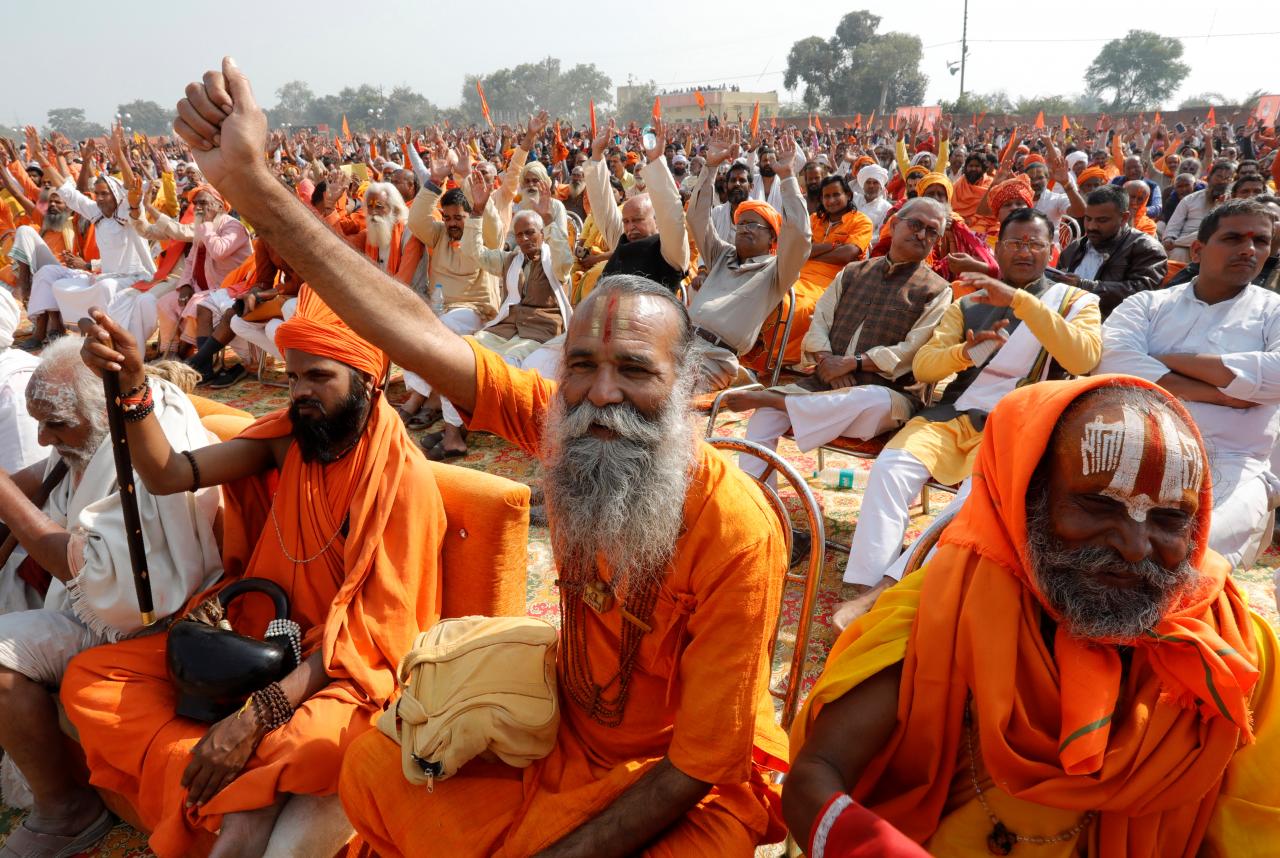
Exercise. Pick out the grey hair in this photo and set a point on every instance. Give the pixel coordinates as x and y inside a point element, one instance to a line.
<point>395,200</point>
<point>63,381</point>
<point>912,205</point>
<point>688,347</point>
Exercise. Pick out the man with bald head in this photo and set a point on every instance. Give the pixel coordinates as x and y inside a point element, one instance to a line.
<point>1073,648</point>
<point>656,539</point>
<point>1134,172</point>
<point>648,237</point>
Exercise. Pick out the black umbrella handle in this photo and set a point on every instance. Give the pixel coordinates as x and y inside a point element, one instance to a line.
<point>128,497</point>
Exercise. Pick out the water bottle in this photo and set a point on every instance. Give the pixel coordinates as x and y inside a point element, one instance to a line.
<point>437,299</point>
<point>843,478</point>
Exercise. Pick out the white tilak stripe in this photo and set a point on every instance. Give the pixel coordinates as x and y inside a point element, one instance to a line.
<point>1132,444</point>
<point>826,824</point>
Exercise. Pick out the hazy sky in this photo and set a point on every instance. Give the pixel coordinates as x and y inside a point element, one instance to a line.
<point>150,50</point>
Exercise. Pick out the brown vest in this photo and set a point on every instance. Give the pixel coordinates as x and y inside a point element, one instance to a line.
<point>886,300</point>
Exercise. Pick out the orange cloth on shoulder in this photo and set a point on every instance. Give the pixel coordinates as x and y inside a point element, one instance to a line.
<point>1064,723</point>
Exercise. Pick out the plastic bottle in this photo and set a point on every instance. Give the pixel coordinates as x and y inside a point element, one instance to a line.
<point>437,298</point>
<point>843,478</point>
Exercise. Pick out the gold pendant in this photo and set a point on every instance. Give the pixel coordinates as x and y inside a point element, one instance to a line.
<point>599,597</point>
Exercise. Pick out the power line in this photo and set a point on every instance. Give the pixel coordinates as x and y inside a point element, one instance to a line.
<point>1100,39</point>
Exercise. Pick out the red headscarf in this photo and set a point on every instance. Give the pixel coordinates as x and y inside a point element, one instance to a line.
<point>317,330</point>
<point>1017,188</point>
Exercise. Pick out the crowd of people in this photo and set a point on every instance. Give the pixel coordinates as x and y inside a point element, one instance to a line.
<point>1077,332</point>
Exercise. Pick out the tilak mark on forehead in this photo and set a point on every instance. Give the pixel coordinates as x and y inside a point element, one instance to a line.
<point>606,319</point>
<point>1137,449</point>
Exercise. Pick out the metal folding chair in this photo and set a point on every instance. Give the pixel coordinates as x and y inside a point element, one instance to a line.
<point>789,694</point>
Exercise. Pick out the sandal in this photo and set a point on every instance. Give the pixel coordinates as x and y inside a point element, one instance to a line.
<point>25,843</point>
<point>422,419</point>
<point>429,440</point>
<point>438,453</point>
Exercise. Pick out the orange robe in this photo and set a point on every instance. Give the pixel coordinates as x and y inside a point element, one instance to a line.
<point>815,276</point>
<point>405,256</point>
<point>698,692</point>
<point>965,197</point>
<point>360,603</point>
<point>1142,221</point>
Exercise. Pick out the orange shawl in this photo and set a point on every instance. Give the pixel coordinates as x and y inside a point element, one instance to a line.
<point>1064,727</point>
<point>965,197</point>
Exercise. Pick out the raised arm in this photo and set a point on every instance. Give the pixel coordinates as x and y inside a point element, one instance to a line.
<point>668,211</point>
<point>722,147</point>
<point>375,305</point>
<point>596,175</point>
<point>794,238</point>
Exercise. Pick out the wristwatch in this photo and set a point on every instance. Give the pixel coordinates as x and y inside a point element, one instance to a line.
<point>858,362</point>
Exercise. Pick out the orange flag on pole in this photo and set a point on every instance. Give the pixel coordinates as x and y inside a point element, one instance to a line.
<point>893,122</point>
<point>1155,120</point>
<point>346,130</point>
<point>1040,120</point>
<point>702,102</point>
<point>657,108</point>
<point>817,122</point>
<point>755,119</point>
<point>1066,126</point>
<point>484,104</point>
<point>857,120</point>
<point>981,116</point>
<point>592,110</point>
<point>1211,118</point>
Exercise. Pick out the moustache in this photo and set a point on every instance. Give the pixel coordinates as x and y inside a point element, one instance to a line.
<point>621,418</point>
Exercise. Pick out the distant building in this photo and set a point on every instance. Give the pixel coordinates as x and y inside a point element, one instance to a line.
<point>728,104</point>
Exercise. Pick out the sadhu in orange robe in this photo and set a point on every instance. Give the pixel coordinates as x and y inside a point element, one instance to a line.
<point>360,603</point>
<point>1172,738</point>
<point>852,227</point>
<point>698,693</point>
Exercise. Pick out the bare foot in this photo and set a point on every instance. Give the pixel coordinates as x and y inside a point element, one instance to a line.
<point>746,400</point>
<point>245,834</point>
<point>843,615</point>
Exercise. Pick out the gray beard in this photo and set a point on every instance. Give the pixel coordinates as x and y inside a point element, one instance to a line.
<point>379,231</point>
<point>623,498</point>
<point>56,222</point>
<point>78,458</point>
<point>1090,608</point>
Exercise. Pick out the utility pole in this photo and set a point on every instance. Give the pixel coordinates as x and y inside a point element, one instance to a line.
<point>964,45</point>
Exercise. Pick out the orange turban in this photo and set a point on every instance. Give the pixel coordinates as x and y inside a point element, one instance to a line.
<point>862,161</point>
<point>1091,173</point>
<point>207,189</point>
<point>317,330</point>
<point>632,158</point>
<point>1033,158</point>
<point>930,179</point>
<point>915,171</point>
<point>1017,188</point>
<point>766,211</point>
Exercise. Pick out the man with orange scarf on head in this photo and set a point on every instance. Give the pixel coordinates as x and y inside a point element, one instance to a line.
<point>330,500</point>
<point>1072,670</point>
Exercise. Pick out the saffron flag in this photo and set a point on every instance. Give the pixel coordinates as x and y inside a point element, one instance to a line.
<point>981,116</point>
<point>893,124</point>
<point>657,108</point>
<point>592,107</point>
<point>346,129</point>
<point>1039,120</point>
<point>817,123</point>
<point>1156,119</point>
<point>484,104</point>
<point>1211,119</point>
<point>1066,126</point>
<point>857,120</point>
<point>755,119</point>
<point>702,102</point>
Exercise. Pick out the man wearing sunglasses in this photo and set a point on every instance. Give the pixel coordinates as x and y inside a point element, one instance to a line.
<point>1018,330</point>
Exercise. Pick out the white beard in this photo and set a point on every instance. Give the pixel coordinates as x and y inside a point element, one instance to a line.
<point>379,229</point>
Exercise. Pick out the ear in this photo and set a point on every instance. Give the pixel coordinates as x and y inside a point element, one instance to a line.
<point>1195,250</point>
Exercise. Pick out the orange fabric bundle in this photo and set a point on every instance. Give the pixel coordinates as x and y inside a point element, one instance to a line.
<point>965,198</point>
<point>1033,158</point>
<point>318,330</point>
<point>1065,724</point>
<point>930,179</point>
<point>1092,173</point>
<point>1017,188</point>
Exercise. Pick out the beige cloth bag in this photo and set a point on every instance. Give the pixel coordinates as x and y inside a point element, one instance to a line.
<point>471,685</point>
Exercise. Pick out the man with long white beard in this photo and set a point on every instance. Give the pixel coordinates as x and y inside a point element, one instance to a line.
<point>69,585</point>
<point>384,238</point>
<point>670,559</point>
<point>1073,672</point>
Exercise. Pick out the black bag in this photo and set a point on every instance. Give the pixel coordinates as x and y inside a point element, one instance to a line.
<point>215,668</point>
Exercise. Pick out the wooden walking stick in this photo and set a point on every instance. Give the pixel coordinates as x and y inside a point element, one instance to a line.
<point>128,498</point>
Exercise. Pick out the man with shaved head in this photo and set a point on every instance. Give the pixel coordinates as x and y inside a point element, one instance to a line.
<point>648,237</point>
<point>1133,172</point>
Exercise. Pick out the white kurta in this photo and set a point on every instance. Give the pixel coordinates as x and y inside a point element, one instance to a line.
<point>1245,331</point>
<point>19,446</point>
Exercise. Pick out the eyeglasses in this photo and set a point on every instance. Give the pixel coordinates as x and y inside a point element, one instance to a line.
<point>752,226</point>
<point>919,226</point>
<point>1017,244</point>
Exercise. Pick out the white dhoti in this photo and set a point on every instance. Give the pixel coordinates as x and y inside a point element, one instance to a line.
<point>1242,505</point>
<point>819,418</point>
<point>546,360</point>
<point>514,351</point>
<point>78,291</point>
<point>460,320</point>
<point>262,335</point>
<point>42,300</point>
<point>897,477</point>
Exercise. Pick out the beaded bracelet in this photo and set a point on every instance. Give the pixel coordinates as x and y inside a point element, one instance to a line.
<point>272,707</point>
<point>195,470</point>
<point>137,408</point>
